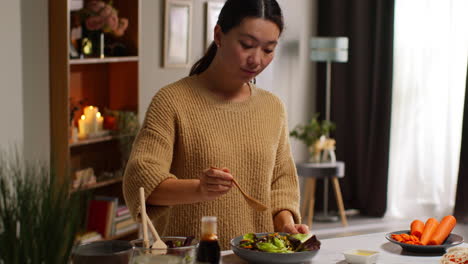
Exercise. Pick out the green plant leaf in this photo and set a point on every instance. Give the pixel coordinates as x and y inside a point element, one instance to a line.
<point>39,217</point>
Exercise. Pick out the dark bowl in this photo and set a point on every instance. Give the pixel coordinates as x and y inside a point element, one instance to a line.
<point>260,257</point>
<point>103,252</point>
<point>452,240</point>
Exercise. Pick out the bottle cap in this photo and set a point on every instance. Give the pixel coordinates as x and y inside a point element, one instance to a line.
<point>209,219</point>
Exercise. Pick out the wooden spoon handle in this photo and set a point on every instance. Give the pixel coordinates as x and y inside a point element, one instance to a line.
<point>152,229</point>
<point>144,218</point>
<point>240,188</point>
<point>257,205</point>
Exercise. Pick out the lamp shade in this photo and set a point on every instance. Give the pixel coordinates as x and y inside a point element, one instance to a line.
<point>329,49</point>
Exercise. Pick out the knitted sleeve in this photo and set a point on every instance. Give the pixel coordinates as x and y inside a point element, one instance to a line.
<point>150,161</point>
<point>284,187</point>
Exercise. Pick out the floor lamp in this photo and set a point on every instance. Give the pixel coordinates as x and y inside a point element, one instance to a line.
<point>328,49</point>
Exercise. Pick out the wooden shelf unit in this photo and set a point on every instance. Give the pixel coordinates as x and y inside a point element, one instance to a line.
<point>108,83</point>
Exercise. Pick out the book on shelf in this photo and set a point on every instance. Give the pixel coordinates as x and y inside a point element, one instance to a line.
<point>129,228</point>
<point>114,202</point>
<point>88,237</point>
<point>101,214</point>
<point>122,218</point>
<point>98,212</point>
<point>108,218</point>
<point>124,223</point>
<point>122,210</point>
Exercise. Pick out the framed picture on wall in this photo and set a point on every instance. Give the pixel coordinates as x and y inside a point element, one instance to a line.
<point>177,33</point>
<point>213,8</point>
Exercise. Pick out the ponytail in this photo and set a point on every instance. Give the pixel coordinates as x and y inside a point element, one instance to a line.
<point>202,64</point>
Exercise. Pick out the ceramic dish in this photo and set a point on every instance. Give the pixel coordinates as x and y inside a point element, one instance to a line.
<point>260,257</point>
<point>451,241</point>
<point>361,256</point>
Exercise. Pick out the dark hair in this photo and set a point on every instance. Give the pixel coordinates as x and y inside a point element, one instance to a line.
<point>231,15</point>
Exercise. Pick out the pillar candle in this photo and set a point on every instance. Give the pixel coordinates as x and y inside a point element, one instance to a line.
<point>99,121</point>
<point>101,46</point>
<point>82,131</point>
<point>90,113</point>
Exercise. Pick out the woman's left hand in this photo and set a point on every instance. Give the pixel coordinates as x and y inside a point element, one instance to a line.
<point>295,229</point>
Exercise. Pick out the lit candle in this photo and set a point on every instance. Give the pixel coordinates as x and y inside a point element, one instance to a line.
<point>82,131</point>
<point>90,113</point>
<point>100,121</point>
<point>101,46</point>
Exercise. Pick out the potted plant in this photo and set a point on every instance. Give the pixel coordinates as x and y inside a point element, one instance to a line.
<point>39,216</point>
<point>316,136</point>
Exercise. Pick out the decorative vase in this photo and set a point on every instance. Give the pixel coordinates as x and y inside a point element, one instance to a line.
<point>322,150</point>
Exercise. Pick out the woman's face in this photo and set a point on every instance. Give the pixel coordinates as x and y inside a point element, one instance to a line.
<point>246,50</point>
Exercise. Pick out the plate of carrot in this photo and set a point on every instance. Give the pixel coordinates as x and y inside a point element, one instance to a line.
<point>429,237</point>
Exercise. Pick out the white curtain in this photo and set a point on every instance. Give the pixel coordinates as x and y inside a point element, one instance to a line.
<point>430,60</point>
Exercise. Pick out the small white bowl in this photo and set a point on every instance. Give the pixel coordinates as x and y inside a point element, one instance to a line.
<point>361,256</point>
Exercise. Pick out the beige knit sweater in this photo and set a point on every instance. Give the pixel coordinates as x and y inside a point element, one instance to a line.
<point>186,130</point>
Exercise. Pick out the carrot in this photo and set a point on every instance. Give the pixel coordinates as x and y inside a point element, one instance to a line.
<point>397,238</point>
<point>443,230</point>
<point>417,227</point>
<point>429,228</point>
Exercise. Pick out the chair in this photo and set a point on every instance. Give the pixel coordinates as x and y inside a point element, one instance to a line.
<point>313,171</point>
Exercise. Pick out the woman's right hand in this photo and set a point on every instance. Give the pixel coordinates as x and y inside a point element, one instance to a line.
<point>215,183</point>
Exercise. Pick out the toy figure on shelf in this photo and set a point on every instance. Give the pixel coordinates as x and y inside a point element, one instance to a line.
<point>90,28</point>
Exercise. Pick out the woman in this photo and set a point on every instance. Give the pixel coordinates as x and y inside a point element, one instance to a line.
<point>216,118</point>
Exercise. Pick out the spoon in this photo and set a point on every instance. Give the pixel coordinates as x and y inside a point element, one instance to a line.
<point>146,221</point>
<point>144,218</point>
<point>254,203</point>
<point>158,243</point>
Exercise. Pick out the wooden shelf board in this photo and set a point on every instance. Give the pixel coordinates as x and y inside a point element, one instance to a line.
<point>99,184</point>
<point>92,141</point>
<point>116,237</point>
<point>84,142</point>
<point>103,60</point>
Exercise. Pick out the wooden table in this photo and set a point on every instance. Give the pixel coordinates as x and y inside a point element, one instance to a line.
<point>331,251</point>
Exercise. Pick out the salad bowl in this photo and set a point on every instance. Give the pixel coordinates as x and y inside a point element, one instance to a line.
<point>256,256</point>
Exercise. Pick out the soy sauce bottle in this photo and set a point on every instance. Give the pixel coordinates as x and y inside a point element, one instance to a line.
<point>208,248</point>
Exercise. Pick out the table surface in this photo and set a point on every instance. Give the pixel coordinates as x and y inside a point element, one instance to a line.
<point>331,251</point>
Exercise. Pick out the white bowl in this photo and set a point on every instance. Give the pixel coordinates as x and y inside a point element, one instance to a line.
<point>361,256</point>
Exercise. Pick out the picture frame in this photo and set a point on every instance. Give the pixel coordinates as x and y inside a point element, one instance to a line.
<point>213,8</point>
<point>177,33</point>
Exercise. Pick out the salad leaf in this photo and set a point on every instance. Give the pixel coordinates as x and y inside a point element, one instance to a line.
<point>301,237</point>
<point>249,237</point>
<point>295,243</point>
<point>310,244</point>
<point>270,247</point>
<point>280,243</point>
